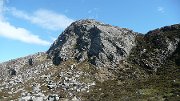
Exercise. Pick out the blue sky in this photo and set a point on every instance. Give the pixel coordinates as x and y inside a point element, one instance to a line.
<point>31,26</point>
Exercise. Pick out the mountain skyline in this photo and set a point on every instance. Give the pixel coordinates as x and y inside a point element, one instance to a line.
<point>28,27</point>
<point>95,61</point>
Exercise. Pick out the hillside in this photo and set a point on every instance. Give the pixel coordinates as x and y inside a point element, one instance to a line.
<point>93,61</point>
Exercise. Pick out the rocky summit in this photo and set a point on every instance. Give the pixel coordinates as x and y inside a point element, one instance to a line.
<point>93,61</point>
<point>101,44</point>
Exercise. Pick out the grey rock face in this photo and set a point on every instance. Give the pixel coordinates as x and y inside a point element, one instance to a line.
<point>93,41</point>
<point>157,46</point>
<point>35,78</point>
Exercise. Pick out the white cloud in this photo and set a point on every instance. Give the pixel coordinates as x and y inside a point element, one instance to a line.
<point>9,31</point>
<point>17,33</point>
<point>44,18</point>
<point>161,9</point>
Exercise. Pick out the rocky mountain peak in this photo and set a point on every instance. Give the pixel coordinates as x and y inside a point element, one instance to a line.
<point>93,61</point>
<point>93,41</point>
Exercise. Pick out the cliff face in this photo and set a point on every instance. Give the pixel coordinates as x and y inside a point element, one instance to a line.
<point>101,44</point>
<point>106,46</point>
<point>92,61</point>
<point>156,47</point>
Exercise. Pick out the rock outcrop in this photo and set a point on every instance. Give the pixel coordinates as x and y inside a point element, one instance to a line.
<point>101,44</point>
<point>154,48</point>
<point>92,61</point>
